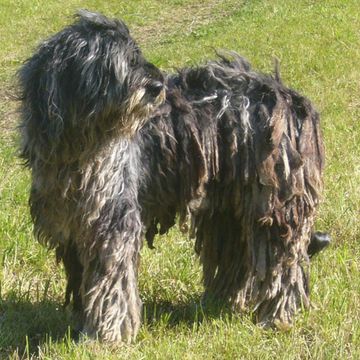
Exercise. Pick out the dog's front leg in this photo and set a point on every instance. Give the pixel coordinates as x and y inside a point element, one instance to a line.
<point>112,307</point>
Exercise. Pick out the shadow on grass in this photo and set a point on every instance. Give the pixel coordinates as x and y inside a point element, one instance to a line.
<point>24,326</point>
<point>190,313</point>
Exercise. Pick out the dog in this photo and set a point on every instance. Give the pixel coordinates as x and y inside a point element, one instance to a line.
<point>118,151</point>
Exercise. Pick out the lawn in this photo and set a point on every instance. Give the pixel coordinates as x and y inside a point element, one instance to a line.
<point>318,45</point>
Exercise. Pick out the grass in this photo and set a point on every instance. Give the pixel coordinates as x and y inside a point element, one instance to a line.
<point>318,44</point>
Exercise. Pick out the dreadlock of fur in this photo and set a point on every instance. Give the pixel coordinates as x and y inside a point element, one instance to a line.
<point>236,154</point>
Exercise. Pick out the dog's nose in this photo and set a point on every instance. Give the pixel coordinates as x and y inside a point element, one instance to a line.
<point>154,88</point>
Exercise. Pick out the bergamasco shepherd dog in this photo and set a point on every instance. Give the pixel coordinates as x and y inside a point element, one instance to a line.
<point>119,151</point>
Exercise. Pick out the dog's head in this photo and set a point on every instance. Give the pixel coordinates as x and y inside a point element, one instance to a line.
<point>89,78</point>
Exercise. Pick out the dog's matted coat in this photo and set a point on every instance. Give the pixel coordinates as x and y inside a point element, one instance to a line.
<point>117,150</point>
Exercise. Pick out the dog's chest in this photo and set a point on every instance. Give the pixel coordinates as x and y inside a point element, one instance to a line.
<point>109,177</point>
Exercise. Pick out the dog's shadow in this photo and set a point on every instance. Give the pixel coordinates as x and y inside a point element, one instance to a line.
<point>190,313</point>
<point>24,326</point>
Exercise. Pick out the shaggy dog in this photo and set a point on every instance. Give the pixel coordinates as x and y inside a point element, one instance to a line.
<point>118,151</point>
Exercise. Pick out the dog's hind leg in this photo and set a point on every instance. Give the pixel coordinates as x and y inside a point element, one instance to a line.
<point>256,269</point>
<point>279,283</point>
<point>112,307</point>
<point>223,251</point>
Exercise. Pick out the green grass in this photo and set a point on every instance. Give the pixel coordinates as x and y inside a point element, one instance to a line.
<point>318,44</point>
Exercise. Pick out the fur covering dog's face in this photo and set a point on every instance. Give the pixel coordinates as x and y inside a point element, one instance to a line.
<point>93,79</point>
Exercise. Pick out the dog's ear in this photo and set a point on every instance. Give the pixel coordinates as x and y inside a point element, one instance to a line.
<point>41,103</point>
